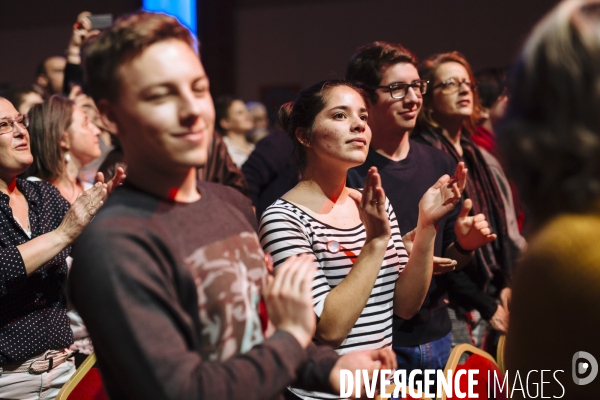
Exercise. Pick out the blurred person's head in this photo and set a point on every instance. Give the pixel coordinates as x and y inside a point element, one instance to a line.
<point>328,123</point>
<point>23,99</point>
<point>259,115</point>
<point>388,73</point>
<point>151,89</point>
<point>50,74</point>
<point>551,137</point>
<point>15,154</point>
<point>260,119</point>
<point>61,133</point>
<point>491,86</point>
<point>451,99</point>
<point>232,116</point>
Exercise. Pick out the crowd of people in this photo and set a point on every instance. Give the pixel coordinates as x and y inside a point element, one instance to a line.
<point>380,221</point>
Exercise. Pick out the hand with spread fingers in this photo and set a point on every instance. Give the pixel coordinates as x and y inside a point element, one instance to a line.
<point>288,298</point>
<point>472,232</point>
<point>117,179</point>
<point>371,207</point>
<point>82,211</point>
<point>441,265</point>
<point>442,197</point>
<point>369,360</point>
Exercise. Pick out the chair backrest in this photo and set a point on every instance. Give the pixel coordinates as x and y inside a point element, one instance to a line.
<point>500,353</point>
<point>479,360</point>
<point>85,384</point>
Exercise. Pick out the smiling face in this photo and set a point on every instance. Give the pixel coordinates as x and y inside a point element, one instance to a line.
<point>83,137</point>
<point>164,114</point>
<point>453,104</point>
<point>395,116</point>
<point>15,154</point>
<point>340,133</point>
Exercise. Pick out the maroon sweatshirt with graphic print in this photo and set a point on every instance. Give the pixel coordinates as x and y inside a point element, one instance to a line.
<point>169,292</point>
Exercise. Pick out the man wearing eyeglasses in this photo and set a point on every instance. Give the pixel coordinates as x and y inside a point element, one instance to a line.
<point>389,74</point>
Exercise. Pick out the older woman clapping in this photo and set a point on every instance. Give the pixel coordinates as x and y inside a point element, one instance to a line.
<point>38,226</point>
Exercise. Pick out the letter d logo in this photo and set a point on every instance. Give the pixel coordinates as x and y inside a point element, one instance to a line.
<point>583,367</point>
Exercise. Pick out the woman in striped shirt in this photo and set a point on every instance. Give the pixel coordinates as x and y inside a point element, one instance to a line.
<point>353,236</point>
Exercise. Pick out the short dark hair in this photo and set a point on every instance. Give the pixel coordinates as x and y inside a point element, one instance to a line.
<point>550,138</point>
<point>222,105</point>
<point>126,39</point>
<point>302,112</point>
<point>47,123</point>
<point>367,64</point>
<point>16,95</point>
<point>491,84</point>
<point>40,69</point>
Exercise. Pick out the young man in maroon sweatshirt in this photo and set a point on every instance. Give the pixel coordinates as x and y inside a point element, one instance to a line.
<point>169,276</point>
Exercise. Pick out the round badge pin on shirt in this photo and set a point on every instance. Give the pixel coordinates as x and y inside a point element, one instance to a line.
<point>333,246</point>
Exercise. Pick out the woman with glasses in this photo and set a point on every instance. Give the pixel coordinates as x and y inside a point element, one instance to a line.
<point>37,228</point>
<point>447,121</point>
<point>364,275</point>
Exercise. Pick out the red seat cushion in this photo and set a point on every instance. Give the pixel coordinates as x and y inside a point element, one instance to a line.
<point>484,365</point>
<point>90,387</point>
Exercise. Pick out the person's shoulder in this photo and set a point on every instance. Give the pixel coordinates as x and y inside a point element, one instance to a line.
<point>279,208</point>
<point>38,185</point>
<point>225,193</point>
<point>42,190</point>
<point>430,155</point>
<point>569,238</point>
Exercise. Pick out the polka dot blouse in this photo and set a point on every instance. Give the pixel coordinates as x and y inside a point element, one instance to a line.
<point>33,315</point>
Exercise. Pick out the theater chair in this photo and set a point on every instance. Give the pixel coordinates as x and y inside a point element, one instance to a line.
<point>477,359</point>
<point>500,353</point>
<point>85,384</point>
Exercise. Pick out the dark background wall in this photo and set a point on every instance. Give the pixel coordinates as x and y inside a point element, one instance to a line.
<point>251,47</point>
<point>302,43</point>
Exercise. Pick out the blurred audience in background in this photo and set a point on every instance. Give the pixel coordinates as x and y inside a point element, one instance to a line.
<point>49,76</point>
<point>270,171</point>
<point>234,123</point>
<point>491,86</point>
<point>23,98</point>
<point>260,118</point>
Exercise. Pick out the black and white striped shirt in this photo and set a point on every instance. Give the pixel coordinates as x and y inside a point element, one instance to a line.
<point>286,230</point>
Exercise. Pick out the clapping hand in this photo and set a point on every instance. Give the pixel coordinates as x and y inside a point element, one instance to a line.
<point>82,211</point>
<point>441,265</point>
<point>371,207</point>
<point>369,360</point>
<point>472,232</point>
<point>288,298</point>
<point>442,197</point>
<point>114,182</point>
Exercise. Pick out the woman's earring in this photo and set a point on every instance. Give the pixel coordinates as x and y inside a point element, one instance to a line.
<point>67,158</point>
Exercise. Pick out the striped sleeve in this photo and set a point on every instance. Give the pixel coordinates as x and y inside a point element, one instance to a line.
<point>283,233</point>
